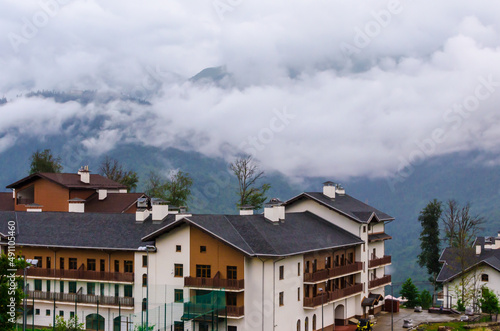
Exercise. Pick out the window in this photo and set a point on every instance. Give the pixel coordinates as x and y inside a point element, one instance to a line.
<point>117,266</point>
<point>101,289</point>
<point>72,263</point>
<point>39,264</point>
<point>282,298</point>
<point>144,260</point>
<point>328,262</point>
<point>203,271</point>
<point>102,265</point>
<point>117,290</point>
<point>315,265</point>
<point>61,286</point>
<point>145,280</point>
<point>61,313</point>
<point>364,229</point>
<point>91,264</point>
<point>71,314</point>
<point>178,326</point>
<point>37,311</point>
<point>61,263</point>
<point>231,272</point>
<point>314,322</point>
<point>128,291</point>
<point>178,248</point>
<point>306,324</point>
<point>298,293</point>
<point>48,262</point>
<point>484,277</point>
<point>128,266</point>
<point>282,272</point>
<point>72,287</point>
<point>203,249</point>
<point>47,312</point>
<point>91,288</point>
<point>232,328</point>
<point>351,257</point>
<point>231,299</point>
<point>298,325</point>
<point>178,295</point>
<point>38,284</point>
<point>298,269</point>
<point>144,304</point>
<point>307,267</point>
<point>179,270</point>
<point>48,286</point>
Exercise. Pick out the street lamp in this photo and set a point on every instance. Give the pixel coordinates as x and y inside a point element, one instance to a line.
<point>34,263</point>
<point>147,248</point>
<point>322,319</point>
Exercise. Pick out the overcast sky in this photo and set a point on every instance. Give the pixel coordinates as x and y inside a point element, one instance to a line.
<point>314,88</point>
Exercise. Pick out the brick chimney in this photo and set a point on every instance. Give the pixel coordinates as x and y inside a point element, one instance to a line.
<point>84,174</point>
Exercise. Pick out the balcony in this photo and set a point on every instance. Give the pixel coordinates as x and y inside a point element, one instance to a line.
<point>199,310</point>
<point>82,298</point>
<point>376,262</point>
<point>80,274</point>
<point>379,281</point>
<point>325,274</point>
<point>219,283</point>
<point>332,295</point>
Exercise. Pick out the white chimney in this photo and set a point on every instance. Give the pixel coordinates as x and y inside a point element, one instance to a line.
<point>329,189</point>
<point>141,214</point>
<point>339,189</point>
<point>246,210</point>
<point>181,215</point>
<point>14,196</point>
<point>274,210</point>
<point>76,205</point>
<point>84,174</point>
<point>103,194</point>
<point>34,208</point>
<point>478,249</point>
<point>160,209</point>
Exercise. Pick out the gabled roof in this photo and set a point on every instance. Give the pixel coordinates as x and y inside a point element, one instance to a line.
<point>254,235</point>
<point>70,181</point>
<point>346,205</point>
<point>452,268</point>
<point>80,230</point>
<point>6,201</point>
<point>114,202</point>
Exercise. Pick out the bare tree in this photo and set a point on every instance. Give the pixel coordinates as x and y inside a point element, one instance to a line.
<point>247,171</point>
<point>450,220</point>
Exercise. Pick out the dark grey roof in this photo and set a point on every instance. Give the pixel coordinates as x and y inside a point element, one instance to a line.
<point>345,204</point>
<point>79,230</point>
<point>378,236</point>
<point>451,267</point>
<point>254,235</point>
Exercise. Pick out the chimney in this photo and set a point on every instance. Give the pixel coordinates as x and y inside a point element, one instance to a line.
<point>339,189</point>
<point>141,214</point>
<point>182,213</point>
<point>274,210</point>
<point>84,174</point>
<point>246,210</point>
<point>478,249</point>
<point>34,208</point>
<point>103,194</point>
<point>329,189</point>
<point>76,205</point>
<point>160,209</point>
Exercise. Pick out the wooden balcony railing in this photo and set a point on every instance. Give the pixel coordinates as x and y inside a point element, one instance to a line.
<point>228,284</point>
<point>379,281</point>
<point>332,295</point>
<point>325,274</point>
<point>379,261</point>
<point>82,298</point>
<point>192,310</point>
<point>81,274</point>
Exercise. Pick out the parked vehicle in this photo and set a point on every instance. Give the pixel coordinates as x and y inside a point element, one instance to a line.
<point>364,325</point>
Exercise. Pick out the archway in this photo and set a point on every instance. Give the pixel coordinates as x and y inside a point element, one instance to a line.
<point>94,322</point>
<point>339,315</point>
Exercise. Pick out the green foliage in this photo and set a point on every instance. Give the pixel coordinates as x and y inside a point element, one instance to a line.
<point>425,299</point>
<point>248,173</point>
<point>11,295</point>
<point>429,239</point>
<point>176,189</point>
<point>69,325</point>
<point>45,162</point>
<point>144,328</point>
<point>489,302</point>
<point>410,292</point>
<point>113,170</point>
<point>460,305</point>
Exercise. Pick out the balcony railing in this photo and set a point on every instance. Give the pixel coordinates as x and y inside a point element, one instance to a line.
<point>198,310</point>
<point>82,298</point>
<point>379,261</point>
<point>228,284</point>
<point>81,274</point>
<point>379,281</point>
<point>332,295</point>
<point>325,274</point>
